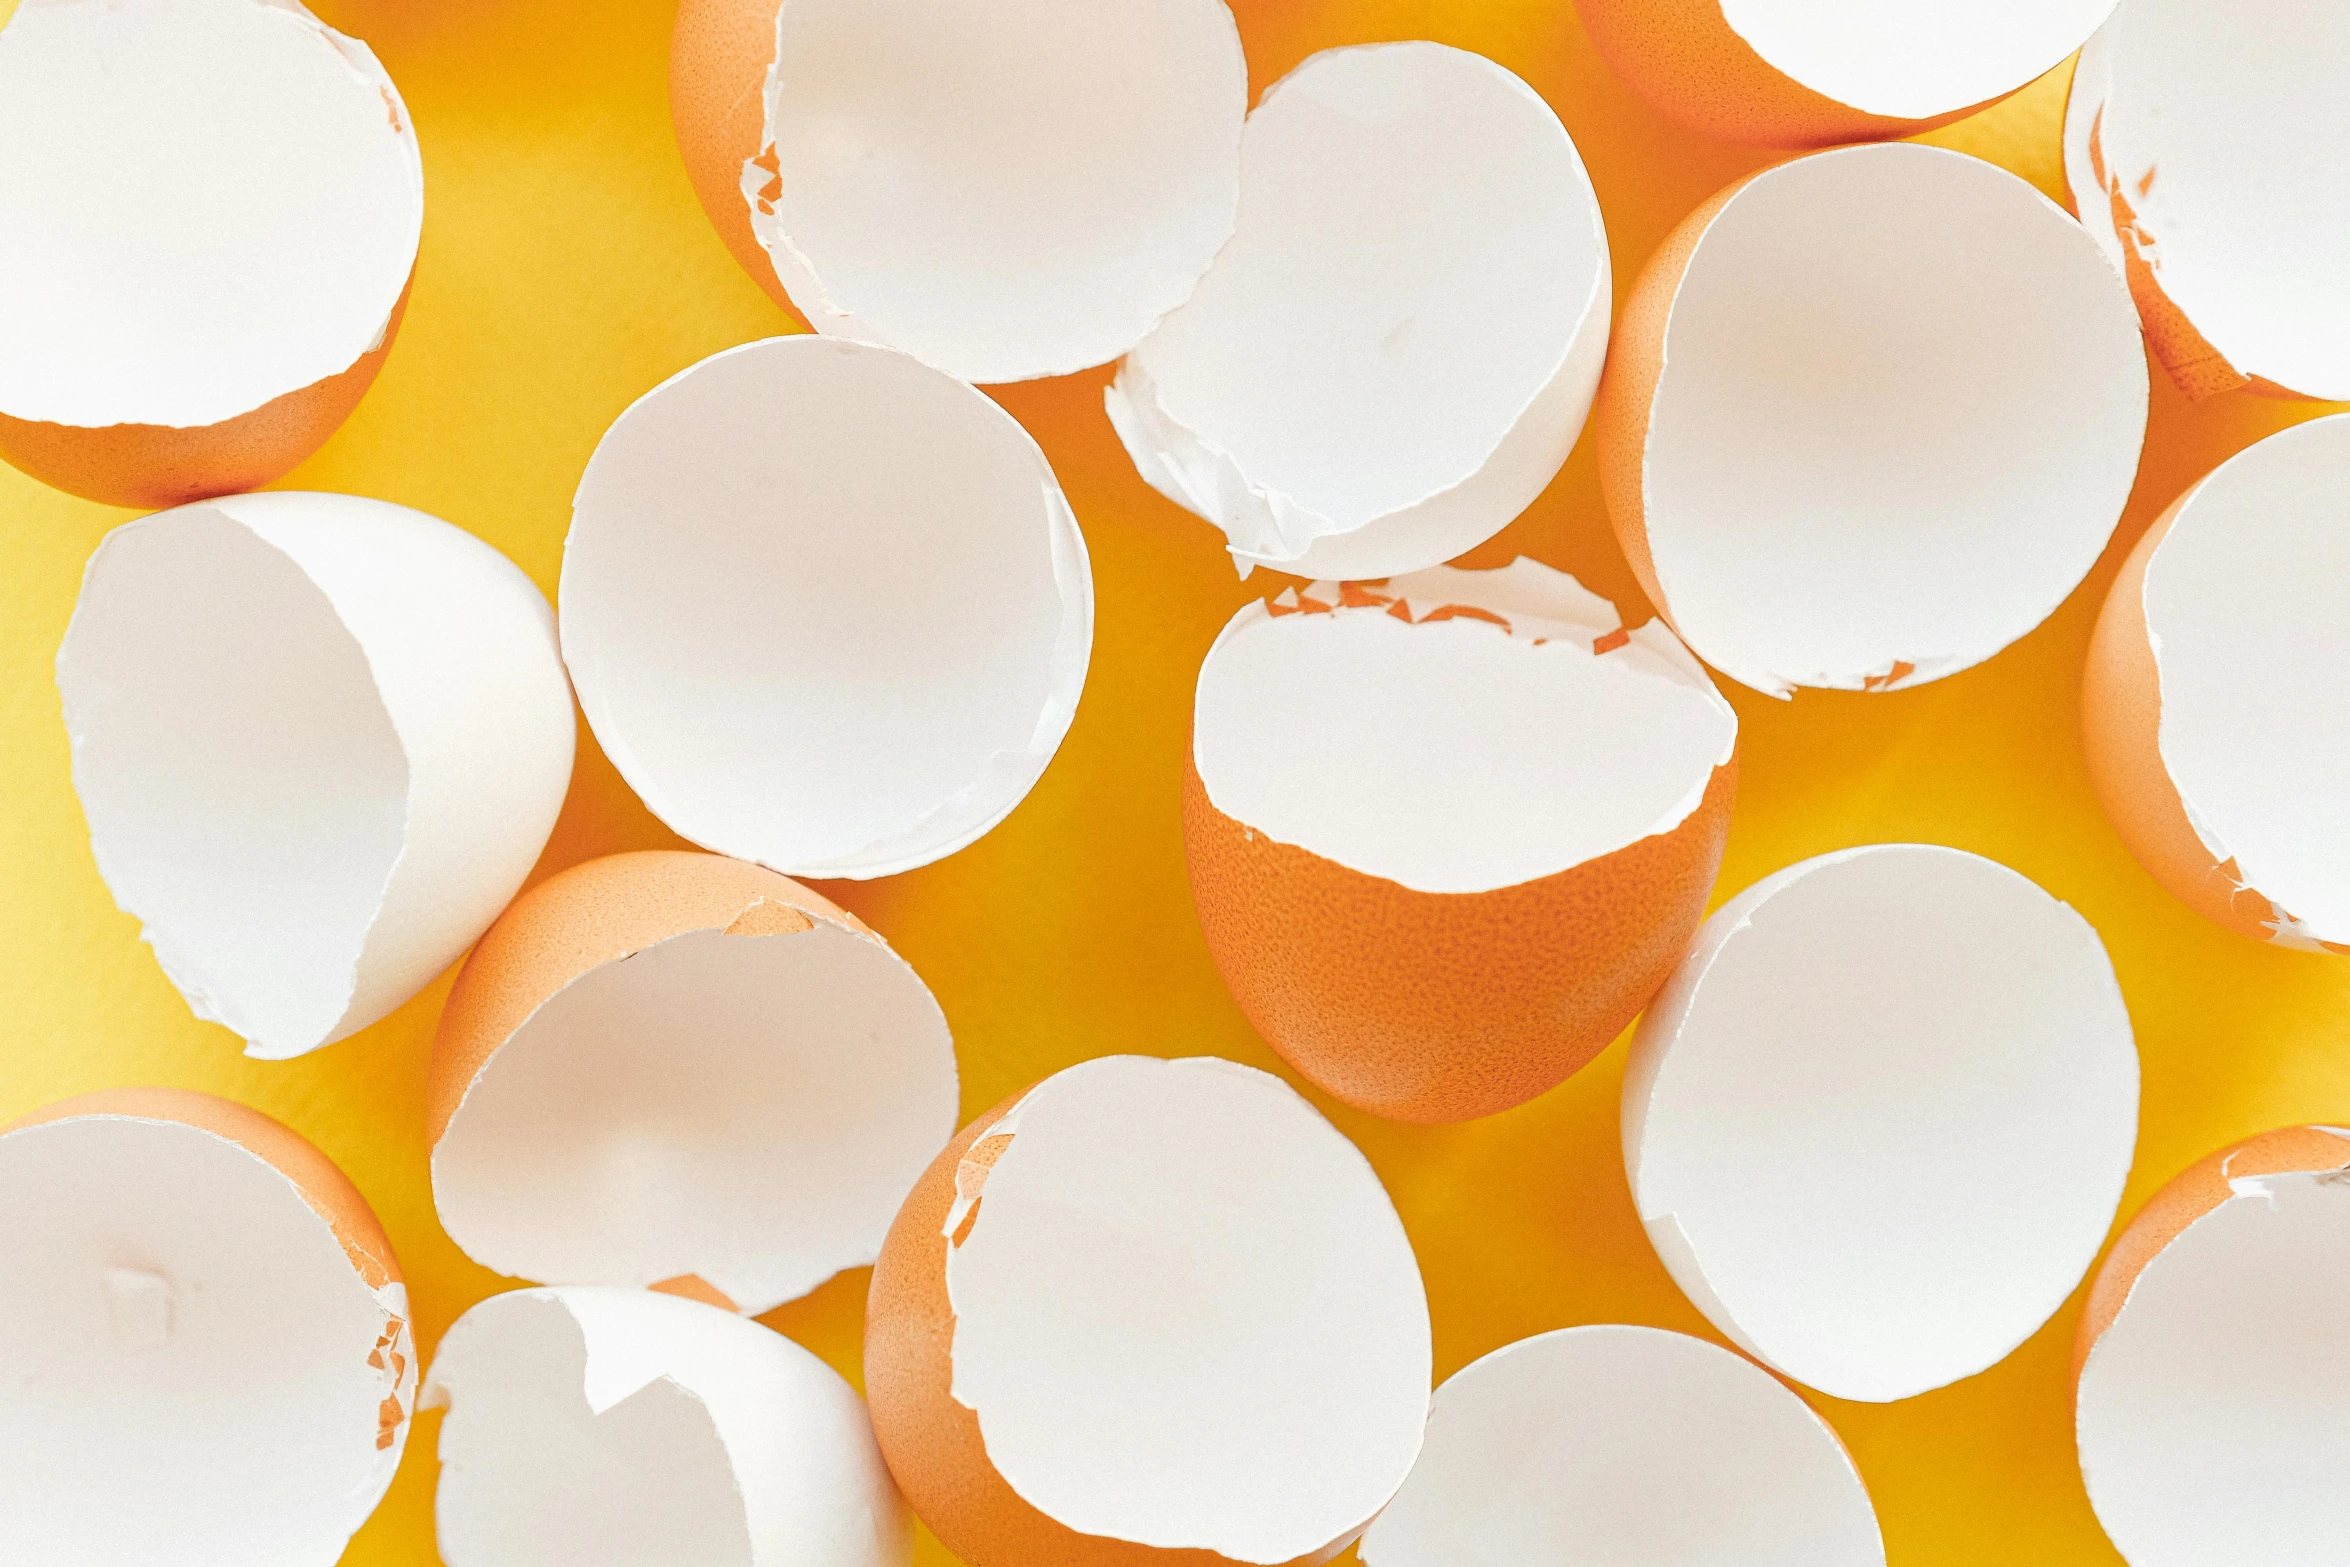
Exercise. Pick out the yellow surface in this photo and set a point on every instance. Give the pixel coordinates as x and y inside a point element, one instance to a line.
<point>566,269</point>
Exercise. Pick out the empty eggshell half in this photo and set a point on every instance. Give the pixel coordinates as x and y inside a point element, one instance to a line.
<point>1397,349</point>
<point>209,210</point>
<point>688,1073</point>
<point>2204,148</point>
<point>1448,834</point>
<point>1005,191</point>
<point>204,1340</point>
<point>2216,703</point>
<point>1603,1446</point>
<point>1802,392</point>
<point>2212,1368</point>
<point>611,1425</point>
<point>1148,1312</point>
<point>827,608</point>
<point>1878,1123</point>
<point>320,740</point>
<point>1804,73</point>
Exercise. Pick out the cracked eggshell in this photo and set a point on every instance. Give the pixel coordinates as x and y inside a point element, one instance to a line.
<point>2215,707</point>
<point>1448,834</point>
<point>204,1340</point>
<point>1148,1314</point>
<point>683,1072</point>
<point>320,741</point>
<point>1600,1446</point>
<point>1006,191</point>
<point>2204,148</point>
<point>2211,1367</point>
<point>1800,395</point>
<point>209,211</point>
<point>1805,73</point>
<point>1391,358</point>
<point>827,609</point>
<point>1878,1123</point>
<point>611,1425</point>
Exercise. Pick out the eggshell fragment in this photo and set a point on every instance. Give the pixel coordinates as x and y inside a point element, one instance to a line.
<point>1005,191</point>
<point>609,1425</point>
<point>2216,703</point>
<point>205,1353</point>
<point>1448,834</point>
<point>1148,1312</point>
<point>827,609</point>
<point>1603,1446</point>
<point>2204,147</point>
<point>1808,376</point>
<point>320,740</point>
<point>1804,73</point>
<point>209,210</point>
<point>688,1073</point>
<point>1878,1123</point>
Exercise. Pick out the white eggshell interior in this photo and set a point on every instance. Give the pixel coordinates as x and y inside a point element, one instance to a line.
<point>1455,754</point>
<point>320,741</point>
<point>1005,191</point>
<point>609,1425</point>
<point>1397,349</point>
<point>2223,129</point>
<point>1877,1123</point>
<point>827,608</point>
<point>204,205</point>
<point>2247,602</point>
<point>185,1355</point>
<point>1186,1315</point>
<point>1913,59</point>
<point>1604,1446</point>
<point>1854,331</point>
<point>751,1110</point>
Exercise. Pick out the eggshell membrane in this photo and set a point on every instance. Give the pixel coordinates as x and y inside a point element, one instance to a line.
<point>719,52</point>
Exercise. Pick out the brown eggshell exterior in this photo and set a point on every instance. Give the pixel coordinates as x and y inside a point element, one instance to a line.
<point>719,53</point>
<point>1423,1006</point>
<point>580,919</point>
<point>2192,1193</point>
<point>156,466</point>
<point>933,1444</point>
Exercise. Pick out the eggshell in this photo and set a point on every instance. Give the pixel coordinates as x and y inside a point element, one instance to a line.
<point>209,214</point>
<point>1395,353</point>
<point>320,741</point>
<point>203,1333</point>
<point>1448,834</point>
<point>1798,401</point>
<point>1878,1123</point>
<point>2211,1369</point>
<point>688,1073</point>
<point>1148,1314</point>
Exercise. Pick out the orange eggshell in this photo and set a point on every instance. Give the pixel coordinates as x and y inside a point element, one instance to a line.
<point>1423,1006</point>
<point>719,53</point>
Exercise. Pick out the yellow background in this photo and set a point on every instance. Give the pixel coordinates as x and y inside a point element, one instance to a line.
<point>566,269</point>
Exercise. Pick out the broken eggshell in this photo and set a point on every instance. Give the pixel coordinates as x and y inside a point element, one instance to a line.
<point>1391,358</point>
<point>320,741</point>
<point>1007,191</point>
<point>2215,708</point>
<point>1600,1446</point>
<point>1448,833</point>
<point>1805,73</point>
<point>612,1425</point>
<point>1148,1312</point>
<point>1878,1123</point>
<point>2211,1369</point>
<point>209,211</point>
<point>687,1073</point>
<point>827,608</point>
<point>2204,149</point>
<point>1799,398</point>
<point>203,1337</point>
